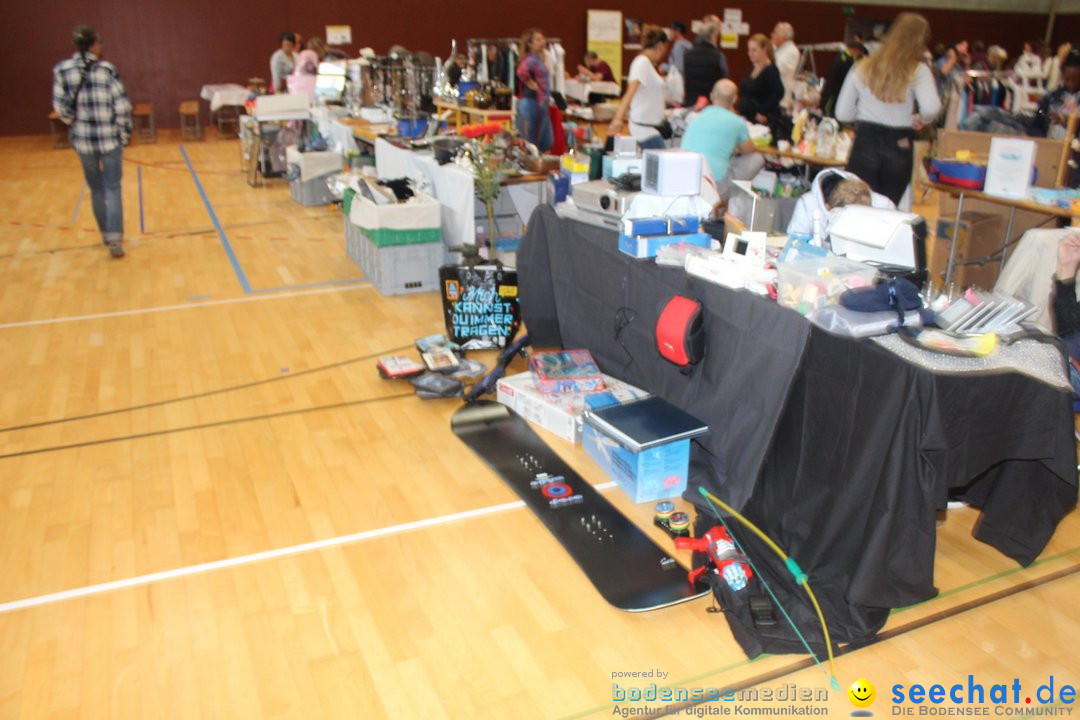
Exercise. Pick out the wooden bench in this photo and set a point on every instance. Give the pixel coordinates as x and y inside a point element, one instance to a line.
<point>58,129</point>
<point>143,127</point>
<point>190,126</point>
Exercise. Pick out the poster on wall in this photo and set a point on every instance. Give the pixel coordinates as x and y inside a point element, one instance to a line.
<point>603,36</point>
<point>632,30</point>
<point>339,35</point>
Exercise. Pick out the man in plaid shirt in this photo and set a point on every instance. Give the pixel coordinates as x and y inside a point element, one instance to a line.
<point>88,96</point>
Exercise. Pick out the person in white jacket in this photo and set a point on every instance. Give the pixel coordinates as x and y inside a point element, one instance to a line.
<point>832,188</point>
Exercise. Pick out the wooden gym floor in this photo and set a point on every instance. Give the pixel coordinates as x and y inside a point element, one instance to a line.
<point>212,507</point>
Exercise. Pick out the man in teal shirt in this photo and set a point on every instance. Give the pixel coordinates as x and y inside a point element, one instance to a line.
<point>718,133</point>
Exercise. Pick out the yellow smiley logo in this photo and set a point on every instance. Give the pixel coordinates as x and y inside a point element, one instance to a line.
<point>861,693</point>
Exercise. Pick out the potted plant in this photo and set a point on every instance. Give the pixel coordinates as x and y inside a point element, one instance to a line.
<point>485,156</point>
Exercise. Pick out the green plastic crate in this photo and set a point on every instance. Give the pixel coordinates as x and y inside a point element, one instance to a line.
<point>386,237</point>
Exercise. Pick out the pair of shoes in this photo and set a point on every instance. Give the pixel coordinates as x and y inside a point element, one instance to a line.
<point>115,249</point>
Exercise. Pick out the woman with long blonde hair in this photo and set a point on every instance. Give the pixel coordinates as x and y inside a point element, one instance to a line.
<point>889,96</point>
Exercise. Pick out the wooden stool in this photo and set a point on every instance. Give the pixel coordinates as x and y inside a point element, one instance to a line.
<point>190,127</point>
<point>142,122</point>
<point>59,131</point>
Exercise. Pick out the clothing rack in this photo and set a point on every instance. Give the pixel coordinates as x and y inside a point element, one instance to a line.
<point>492,41</point>
<point>515,40</point>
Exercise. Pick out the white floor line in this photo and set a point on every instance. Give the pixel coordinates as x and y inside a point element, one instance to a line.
<point>364,285</point>
<point>190,570</point>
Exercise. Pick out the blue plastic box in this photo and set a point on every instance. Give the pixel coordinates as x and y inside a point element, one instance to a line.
<point>653,474</point>
<point>647,247</point>
<point>412,127</point>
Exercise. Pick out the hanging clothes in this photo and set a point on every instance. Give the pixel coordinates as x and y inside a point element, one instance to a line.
<point>555,57</point>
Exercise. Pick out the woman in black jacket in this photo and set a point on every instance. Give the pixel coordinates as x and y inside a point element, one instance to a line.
<point>761,92</point>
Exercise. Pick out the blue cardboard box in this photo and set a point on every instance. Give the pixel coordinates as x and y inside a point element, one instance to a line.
<point>648,246</point>
<point>652,474</point>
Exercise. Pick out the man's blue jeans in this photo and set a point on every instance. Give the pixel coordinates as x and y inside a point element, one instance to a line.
<point>103,173</point>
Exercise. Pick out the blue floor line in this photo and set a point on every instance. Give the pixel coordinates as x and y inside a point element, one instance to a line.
<point>78,204</point>
<point>142,219</point>
<point>351,281</point>
<point>217,226</point>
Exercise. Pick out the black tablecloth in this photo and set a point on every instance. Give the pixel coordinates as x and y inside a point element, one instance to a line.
<point>842,451</point>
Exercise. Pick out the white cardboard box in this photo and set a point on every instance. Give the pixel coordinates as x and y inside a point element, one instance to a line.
<point>559,413</point>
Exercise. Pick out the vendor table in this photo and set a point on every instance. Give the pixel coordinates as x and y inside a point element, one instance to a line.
<point>271,113</point>
<point>453,187</point>
<point>334,125</point>
<point>365,132</point>
<point>226,104</point>
<point>599,127</point>
<point>841,449</point>
<point>580,91</point>
<point>223,95</point>
<point>801,157</point>
<point>476,115</point>
<point>962,193</point>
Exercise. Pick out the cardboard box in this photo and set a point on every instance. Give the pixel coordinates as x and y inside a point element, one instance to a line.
<point>981,234</point>
<point>559,413</point>
<point>417,221</point>
<point>754,212</point>
<point>558,371</point>
<point>653,474</point>
<point>1048,156</point>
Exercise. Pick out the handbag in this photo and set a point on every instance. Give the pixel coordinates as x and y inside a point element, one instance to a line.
<point>665,129</point>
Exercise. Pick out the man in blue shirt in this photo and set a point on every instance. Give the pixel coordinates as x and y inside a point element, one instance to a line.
<point>679,45</point>
<point>88,96</point>
<point>724,139</point>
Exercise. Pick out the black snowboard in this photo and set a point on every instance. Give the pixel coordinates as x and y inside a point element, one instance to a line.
<point>630,570</point>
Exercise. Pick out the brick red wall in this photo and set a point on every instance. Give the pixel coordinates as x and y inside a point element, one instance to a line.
<point>166,50</point>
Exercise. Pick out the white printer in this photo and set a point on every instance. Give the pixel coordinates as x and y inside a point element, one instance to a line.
<point>893,240</point>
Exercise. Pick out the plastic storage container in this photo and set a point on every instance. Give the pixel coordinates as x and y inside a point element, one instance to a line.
<point>311,192</point>
<point>653,474</point>
<point>807,285</point>
<point>396,269</point>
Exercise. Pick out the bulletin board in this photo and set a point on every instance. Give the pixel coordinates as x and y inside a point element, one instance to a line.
<point>604,36</point>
